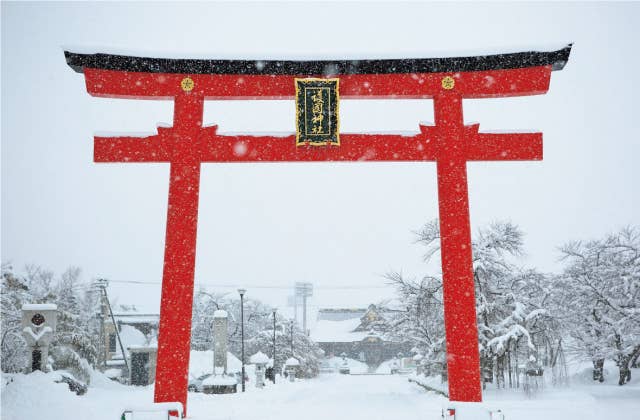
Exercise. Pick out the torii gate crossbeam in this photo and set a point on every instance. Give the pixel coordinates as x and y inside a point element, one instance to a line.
<point>188,144</point>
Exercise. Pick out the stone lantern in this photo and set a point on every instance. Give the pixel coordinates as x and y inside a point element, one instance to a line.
<point>291,366</point>
<point>260,360</point>
<point>38,327</point>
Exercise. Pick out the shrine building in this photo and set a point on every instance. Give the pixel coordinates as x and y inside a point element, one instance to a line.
<point>359,333</point>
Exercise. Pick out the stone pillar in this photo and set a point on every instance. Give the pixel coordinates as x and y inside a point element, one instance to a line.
<point>38,326</point>
<point>220,382</point>
<point>220,322</point>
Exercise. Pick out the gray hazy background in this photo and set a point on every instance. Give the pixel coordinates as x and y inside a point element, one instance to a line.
<point>332,224</point>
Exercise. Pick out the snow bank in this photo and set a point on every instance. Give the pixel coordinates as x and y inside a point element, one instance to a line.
<point>36,395</point>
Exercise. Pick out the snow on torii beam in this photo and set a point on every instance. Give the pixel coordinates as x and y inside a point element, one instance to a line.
<point>449,142</point>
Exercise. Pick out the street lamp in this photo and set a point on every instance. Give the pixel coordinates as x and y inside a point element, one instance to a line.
<point>273,375</point>
<point>242,292</point>
<point>291,331</point>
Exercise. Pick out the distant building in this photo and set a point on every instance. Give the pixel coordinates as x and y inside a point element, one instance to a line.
<point>358,333</point>
<point>139,335</point>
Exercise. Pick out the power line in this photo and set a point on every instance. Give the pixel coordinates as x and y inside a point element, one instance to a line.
<point>254,286</point>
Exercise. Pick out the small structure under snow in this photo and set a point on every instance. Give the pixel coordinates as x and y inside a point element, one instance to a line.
<point>260,360</point>
<point>38,326</point>
<point>220,314</point>
<point>291,366</point>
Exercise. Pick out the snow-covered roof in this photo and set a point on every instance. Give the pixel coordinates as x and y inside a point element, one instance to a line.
<point>347,65</point>
<point>337,331</point>
<point>136,318</point>
<point>292,361</point>
<point>340,314</point>
<point>39,307</point>
<point>131,338</point>
<point>260,357</point>
<point>220,314</point>
<point>136,348</point>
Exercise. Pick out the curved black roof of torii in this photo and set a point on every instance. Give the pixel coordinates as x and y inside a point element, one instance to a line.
<point>556,59</point>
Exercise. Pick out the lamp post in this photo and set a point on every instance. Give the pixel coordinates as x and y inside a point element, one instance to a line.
<point>273,376</point>
<point>242,292</point>
<point>291,323</point>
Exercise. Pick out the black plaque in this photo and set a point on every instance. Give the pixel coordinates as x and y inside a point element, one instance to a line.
<point>317,112</point>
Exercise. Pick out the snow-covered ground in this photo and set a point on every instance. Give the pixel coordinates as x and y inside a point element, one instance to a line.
<point>332,396</point>
<point>355,366</point>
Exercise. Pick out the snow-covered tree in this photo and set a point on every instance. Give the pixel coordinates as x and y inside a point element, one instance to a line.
<point>77,337</point>
<point>421,320</point>
<point>258,331</point>
<point>291,341</point>
<point>204,305</point>
<point>513,321</point>
<point>15,293</point>
<point>600,287</point>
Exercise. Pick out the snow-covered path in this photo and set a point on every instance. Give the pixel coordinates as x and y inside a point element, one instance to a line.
<point>334,397</point>
<point>352,397</point>
<point>327,397</point>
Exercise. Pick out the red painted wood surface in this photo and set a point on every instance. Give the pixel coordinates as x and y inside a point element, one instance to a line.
<point>476,84</point>
<point>187,144</point>
<point>174,343</point>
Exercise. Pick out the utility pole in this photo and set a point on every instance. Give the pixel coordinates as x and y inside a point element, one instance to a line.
<point>102,361</point>
<point>273,376</point>
<point>242,292</point>
<point>102,284</point>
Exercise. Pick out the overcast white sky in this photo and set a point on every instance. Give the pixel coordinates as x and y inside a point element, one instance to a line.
<point>331,224</point>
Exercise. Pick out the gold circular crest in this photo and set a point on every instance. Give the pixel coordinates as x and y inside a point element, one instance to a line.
<point>187,84</point>
<point>448,82</point>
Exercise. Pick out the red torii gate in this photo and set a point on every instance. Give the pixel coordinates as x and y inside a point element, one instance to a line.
<point>188,144</point>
